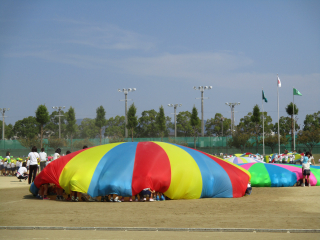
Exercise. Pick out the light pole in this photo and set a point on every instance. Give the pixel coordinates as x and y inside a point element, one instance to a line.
<point>202,88</point>
<point>125,91</point>
<point>175,117</point>
<point>59,109</point>
<point>3,110</point>
<point>232,105</point>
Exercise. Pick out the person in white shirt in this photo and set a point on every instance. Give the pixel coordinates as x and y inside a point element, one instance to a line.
<point>8,168</point>
<point>56,155</point>
<point>13,168</point>
<point>33,167</point>
<point>28,164</point>
<point>22,172</point>
<point>43,159</point>
<point>17,165</point>
<point>5,164</point>
<point>1,167</point>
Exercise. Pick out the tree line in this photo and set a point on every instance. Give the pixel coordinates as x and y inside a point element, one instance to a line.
<point>152,123</point>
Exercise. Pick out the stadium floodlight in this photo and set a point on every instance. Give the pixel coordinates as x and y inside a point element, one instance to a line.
<point>125,91</point>
<point>232,105</point>
<point>202,88</point>
<point>59,110</point>
<point>3,110</point>
<point>194,87</point>
<point>175,116</point>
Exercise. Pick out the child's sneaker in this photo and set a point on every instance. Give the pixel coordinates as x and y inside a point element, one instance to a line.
<point>76,199</point>
<point>116,200</point>
<point>72,198</point>
<point>46,198</point>
<point>111,199</point>
<point>136,199</point>
<point>122,199</point>
<point>162,198</point>
<point>102,199</point>
<point>151,200</point>
<point>157,198</point>
<point>302,185</point>
<point>130,199</point>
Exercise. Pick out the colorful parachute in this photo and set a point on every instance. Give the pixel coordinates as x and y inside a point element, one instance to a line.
<point>279,175</point>
<point>238,160</point>
<point>127,168</point>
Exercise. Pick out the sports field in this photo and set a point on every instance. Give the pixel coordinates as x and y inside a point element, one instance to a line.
<point>265,208</point>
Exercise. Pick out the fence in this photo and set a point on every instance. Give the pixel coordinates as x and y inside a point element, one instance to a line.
<point>212,145</point>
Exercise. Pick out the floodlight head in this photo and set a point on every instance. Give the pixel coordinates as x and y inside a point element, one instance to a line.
<point>134,89</point>
<point>210,87</point>
<point>227,103</point>
<point>129,89</point>
<point>8,109</point>
<point>119,90</point>
<point>194,87</point>
<point>180,105</point>
<point>123,89</point>
<point>199,87</point>
<point>238,103</point>
<point>170,105</point>
<point>53,107</point>
<point>206,87</point>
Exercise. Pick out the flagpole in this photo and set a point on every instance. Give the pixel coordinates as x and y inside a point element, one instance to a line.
<point>262,127</point>
<point>278,116</point>
<point>294,127</point>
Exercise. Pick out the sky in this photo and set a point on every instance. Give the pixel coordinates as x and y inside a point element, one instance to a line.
<point>79,53</point>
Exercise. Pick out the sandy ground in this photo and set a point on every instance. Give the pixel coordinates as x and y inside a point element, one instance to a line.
<point>274,208</point>
<point>72,234</point>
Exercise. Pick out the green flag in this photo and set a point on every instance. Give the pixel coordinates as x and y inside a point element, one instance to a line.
<point>264,97</point>
<point>296,92</point>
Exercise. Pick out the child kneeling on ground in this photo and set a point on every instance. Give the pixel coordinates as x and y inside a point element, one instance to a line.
<point>22,172</point>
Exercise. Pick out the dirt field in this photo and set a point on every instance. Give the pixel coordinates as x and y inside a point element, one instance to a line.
<point>274,208</point>
<point>279,208</point>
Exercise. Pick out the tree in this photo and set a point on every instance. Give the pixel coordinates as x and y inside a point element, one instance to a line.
<point>214,126</point>
<point>161,122</point>
<point>256,120</point>
<point>289,110</point>
<point>88,129</point>
<point>184,127</point>
<point>272,141</point>
<point>52,127</point>
<point>100,120</point>
<point>9,133</point>
<point>252,124</point>
<point>240,139</point>
<point>26,128</point>
<point>85,142</point>
<point>42,117</point>
<point>195,123</point>
<point>312,120</point>
<point>132,119</point>
<point>285,126</point>
<point>30,142</point>
<point>309,138</point>
<point>55,142</point>
<point>71,124</point>
<point>115,127</point>
<point>148,126</point>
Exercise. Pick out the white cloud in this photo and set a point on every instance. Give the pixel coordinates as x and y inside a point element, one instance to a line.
<point>108,36</point>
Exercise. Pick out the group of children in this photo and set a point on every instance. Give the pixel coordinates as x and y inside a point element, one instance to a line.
<point>9,167</point>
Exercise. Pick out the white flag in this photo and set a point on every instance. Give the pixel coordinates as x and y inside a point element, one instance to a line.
<point>279,82</point>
